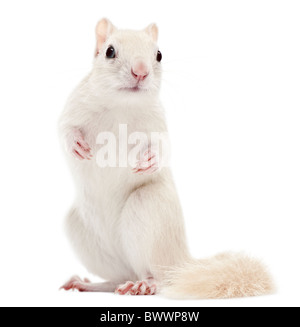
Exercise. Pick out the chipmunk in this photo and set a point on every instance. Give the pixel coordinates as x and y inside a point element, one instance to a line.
<point>126,224</point>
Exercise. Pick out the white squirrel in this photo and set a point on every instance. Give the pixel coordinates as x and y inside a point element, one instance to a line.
<point>126,224</point>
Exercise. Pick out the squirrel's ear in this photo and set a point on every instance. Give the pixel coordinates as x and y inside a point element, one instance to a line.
<point>103,29</point>
<point>152,30</point>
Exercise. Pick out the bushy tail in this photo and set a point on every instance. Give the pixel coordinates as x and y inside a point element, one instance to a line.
<point>224,276</point>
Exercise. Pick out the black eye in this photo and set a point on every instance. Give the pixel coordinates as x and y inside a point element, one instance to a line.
<point>159,56</point>
<point>111,53</point>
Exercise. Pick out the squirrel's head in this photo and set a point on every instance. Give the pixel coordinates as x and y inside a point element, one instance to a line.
<point>127,62</point>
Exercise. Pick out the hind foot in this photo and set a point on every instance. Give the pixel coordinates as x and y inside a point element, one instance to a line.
<point>76,283</point>
<point>146,287</point>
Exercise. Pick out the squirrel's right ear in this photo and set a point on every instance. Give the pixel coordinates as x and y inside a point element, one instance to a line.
<point>103,29</point>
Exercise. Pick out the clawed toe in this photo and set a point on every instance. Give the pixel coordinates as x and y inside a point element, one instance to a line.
<point>75,283</point>
<point>138,288</point>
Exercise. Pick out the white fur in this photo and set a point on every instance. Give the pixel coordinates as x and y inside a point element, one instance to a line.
<point>122,225</point>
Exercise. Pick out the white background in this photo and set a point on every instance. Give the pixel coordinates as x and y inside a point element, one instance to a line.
<point>231,91</point>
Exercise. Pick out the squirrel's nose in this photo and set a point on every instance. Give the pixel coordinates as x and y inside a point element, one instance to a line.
<point>139,71</point>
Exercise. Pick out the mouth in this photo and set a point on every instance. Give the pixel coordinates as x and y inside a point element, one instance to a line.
<point>133,89</point>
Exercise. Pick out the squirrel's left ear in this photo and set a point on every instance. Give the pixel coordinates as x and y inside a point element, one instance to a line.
<point>152,30</point>
<point>104,28</point>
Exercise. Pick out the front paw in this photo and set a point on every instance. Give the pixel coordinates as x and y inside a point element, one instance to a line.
<point>78,147</point>
<point>148,164</point>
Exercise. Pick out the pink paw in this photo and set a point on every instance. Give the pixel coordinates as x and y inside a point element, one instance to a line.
<point>148,164</point>
<point>75,283</point>
<point>138,288</point>
<point>79,147</point>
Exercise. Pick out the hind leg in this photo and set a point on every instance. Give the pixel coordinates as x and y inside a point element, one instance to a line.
<point>152,236</point>
<point>75,283</point>
<point>87,244</point>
